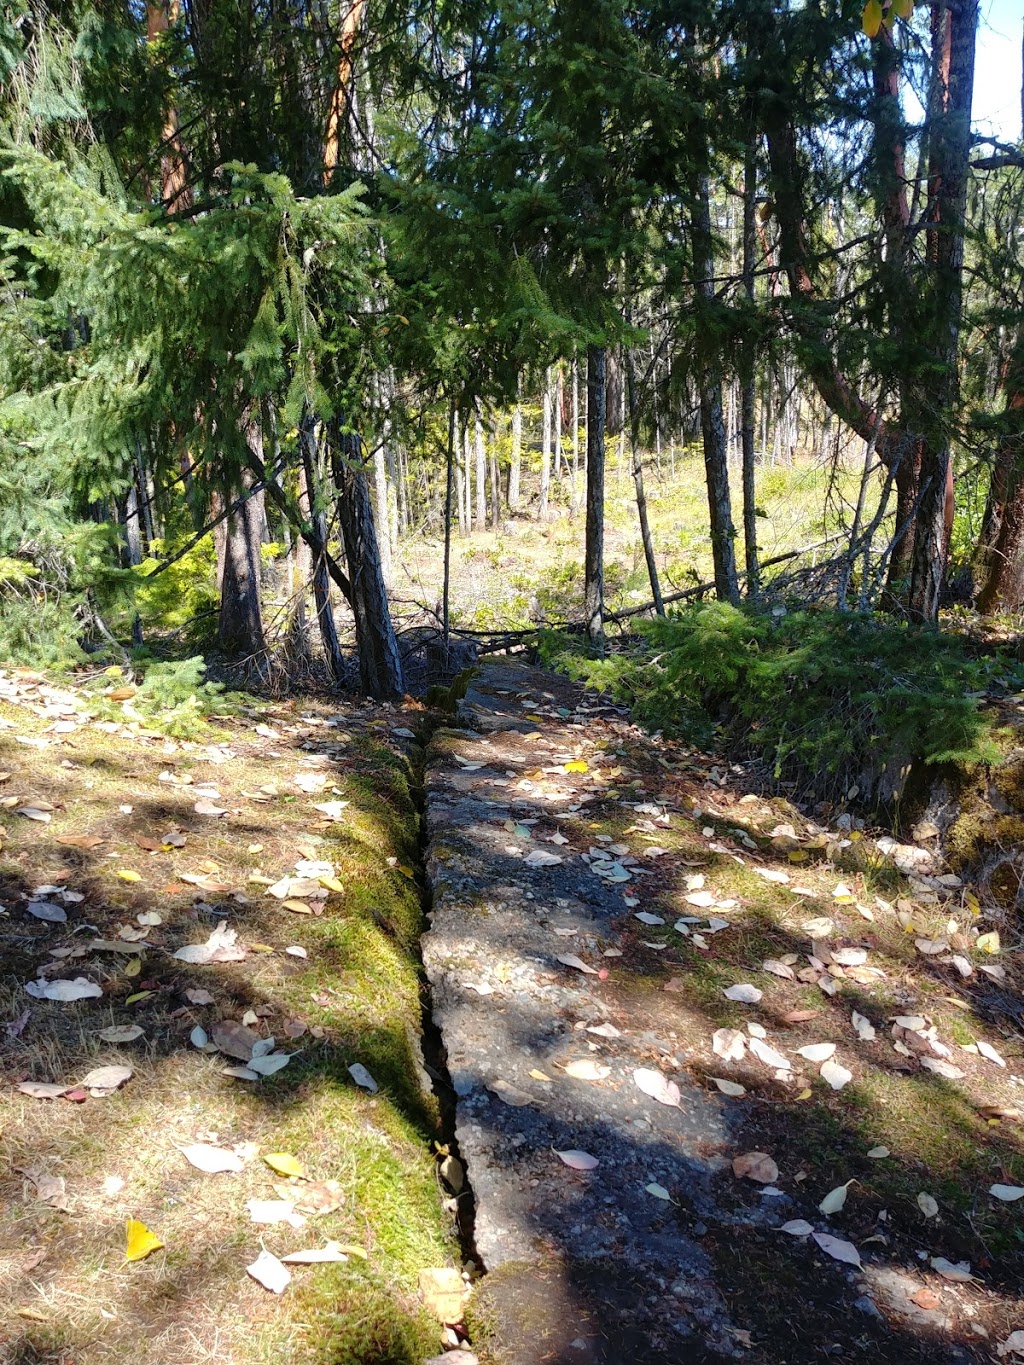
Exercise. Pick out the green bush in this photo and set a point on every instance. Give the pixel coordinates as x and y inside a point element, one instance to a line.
<point>828,700</point>
<point>183,596</point>
<point>172,698</point>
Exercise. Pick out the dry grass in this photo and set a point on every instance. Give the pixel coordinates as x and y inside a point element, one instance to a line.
<point>68,1293</point>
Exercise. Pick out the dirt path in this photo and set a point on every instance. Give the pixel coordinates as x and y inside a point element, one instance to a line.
<point>579,1020</point>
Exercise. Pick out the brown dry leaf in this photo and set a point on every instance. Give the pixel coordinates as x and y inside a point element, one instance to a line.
<point>799,1016</point>
<point>42,1090</point>
<point>926,1299</point>
<point>234,1039</point>
<point>199,997</point>
<point>147,844</point>
<point>443,1292</point>
<point>757,1166</point>
<point>102,1080</point>
<point>120,1033</point>
<point>79,840</point>
<point>317,1196</point>
<point>297,907</point>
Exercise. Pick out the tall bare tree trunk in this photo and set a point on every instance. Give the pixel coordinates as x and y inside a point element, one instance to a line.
<point>638,484</point>
<point>748,362</point>
<point>319,577</point>
<point>481,476</point>
<point>545,451</point>
<point>593,591</point>
<point>516,463</point>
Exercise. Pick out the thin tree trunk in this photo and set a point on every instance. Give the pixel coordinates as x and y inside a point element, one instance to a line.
<point>716,461</point>
<point>467,475</point>
<point>638,484</point>
<point>380,512</point>
<point>319,577</point>
<point>545,453</point>
<point>481,476</point>
<point>515,468</point>
<point>593,590</point>
<point>492,455</point>
<point>557,442</point>
<point>380,665</point>
<point>1003,589</point>
<point>240,623</point>
<point>748,359</point>
<point>449,492</point>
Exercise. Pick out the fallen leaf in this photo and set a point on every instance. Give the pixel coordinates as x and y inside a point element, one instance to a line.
<point>79,840</point>
<point>877,1153</point>
<point>757,1166</point>
<point>659,1191</point>
<point>778,969</point>
<point>865,1029</point>
<point>988,943</point>
<point>213,1160</point>
<point>42,1090</point>
<point>657,1086</point>
<point>64,991</point>
<point>797,1227</point>
<point>819,928</point>
<point>816,1052</point>
<point>927,1204</point>
<point>577,1160</point>
<point>362,1077</point>
<point>745,993</point>
<point>444,1293</point>
<point>541,858</point>
<point>1009,1194</point>
<point>284,1164</point>
<point>835,1075</point>
<point>221,946</point>
<point>604,1030</point>
<point>729,1044</point>
<point>199,997</point>
<point>46,910</point>
<point>767,1055</point>
<point>835,1199</point>
<point>268,1212</point>
<point>139,1241</point>
<point>646,918</point>
<point>120,1033</point>
<point>268,1064</point>
<point>268,1271</point>
<point>570,960</point>
<point>331,1252</point>
<point>837,1248</point>
<point>1013,1345</point>
<point>316,1196</point>
<point>234,1039</point>
<point>729,1087</point>
<point>849,957</point>
<point>799,1016</point>
<point>959,1273</point>
<point>926,1299</point>
<point>510,1094</point>
<point>205,807</point>
<point>987,1050</point>
<point>942,1068</point>
<point>587,1070</point>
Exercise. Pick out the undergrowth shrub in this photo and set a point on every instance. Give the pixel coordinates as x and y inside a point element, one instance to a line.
<point>830,701</point>
<point>172,698</point>
<point>182,597</point>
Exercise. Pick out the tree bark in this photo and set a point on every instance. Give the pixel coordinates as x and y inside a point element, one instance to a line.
<point>1003,588</point>
<point>319,577</point>
<point>638,485</point>
<point>545,451</point>
<point>380,665</point>
<point>516,463</point>
<point>240,622</point>
<point>481,476</point>
<point>716,454</point>
<point>593,586</point>
<point>748,361</point>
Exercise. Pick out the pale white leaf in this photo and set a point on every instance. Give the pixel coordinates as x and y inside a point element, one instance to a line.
<point>120,1033</point>
<point>571,960</point>
<point>987,1050</point>
<point>849,957</point>
<point>1013,1345</point>
<point>729,1087</point>
<point>657,1086</point>
<point>765,1053</point>
<point>213,1160</point>
<point>42,1090</point>
<point>877,1153</point>
<point>577,1160</point>
<point>819,928</point>
<point>270,1064</point>
<point>837,1248</point>
<point>106,1077</point>
<point>604,1030</point>
<point>704,899</point>
<point>959,1273</point>
<point>771,874</point>
<point>835,1075</point>
<point>1009,1194</point>
<point>729,1044</point>
<point>744,993</point>
<point>268,1212</point>
<point>797,1227</point>
<point>199,1037</point>
<point>816,1052</point>
<point>645,917</point>
<point>778,969</point>
<point>540,857</point>
<point>587,1070</point>
<point>865,1029</point>
<point>942,1068</point>
<point>835,1199</point>
<point>928,1205</point>
<point>659,1191</point>
<point>46,910</point>
<point>268,1271</point>
<point>64,991</point>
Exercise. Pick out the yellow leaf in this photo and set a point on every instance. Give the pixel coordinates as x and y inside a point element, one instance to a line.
<point>127,875</point>
<point>297,907</point>
<point>139,995</point>
<point>284,1164</point>
<point>972,902</point>
<point>798,855</point>
<point>331,883</point>
<point>353,1251</point>
<point>259,947</point>
<point>539,1075</point>
<point>576,765</point>
<point>804,1095</point>
<point>133,967</point>
<point>406,871</point>
<point>139,1241</point>
<point>903,9</point>
<point>871,19</point>
<point>989,943</point>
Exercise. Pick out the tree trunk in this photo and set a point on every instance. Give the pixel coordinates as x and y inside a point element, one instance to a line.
<point>380,665</point>
<point>240,623</point>
<point>481,477</point>
<point>593,589</point>
<point>716,454</point>
<point>319,577</point>
<point>638,484</point>
<point>381,513</point>
<point>1003,588</point>
<point>515,468</point>
<point>495,483</point>
<point>545,451</point>
<point>747,377</point>
<point>953,38</point>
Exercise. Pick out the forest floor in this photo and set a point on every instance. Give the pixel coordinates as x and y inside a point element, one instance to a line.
<point>295,826</point>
